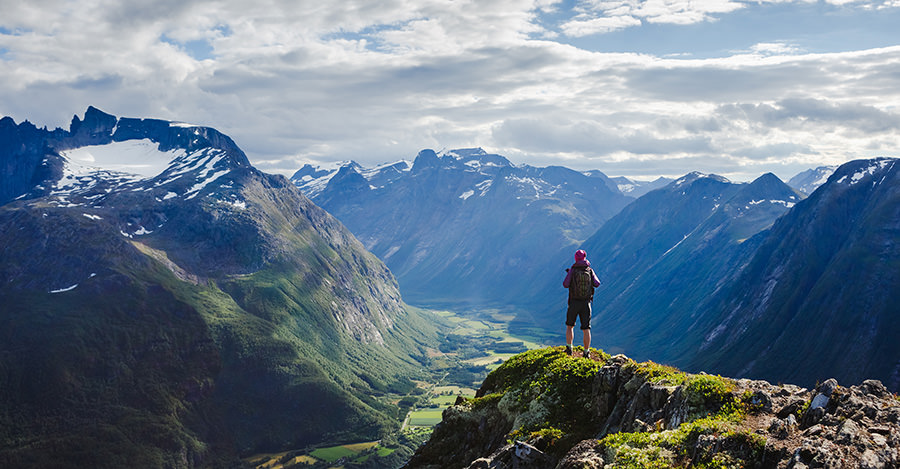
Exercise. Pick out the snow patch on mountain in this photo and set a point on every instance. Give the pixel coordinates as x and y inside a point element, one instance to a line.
<point>692,176</point>
<point>130,164</point>
<point>810,180</point>
<point>875,166</point>
<point>62,290</point>
<point>184,125</point>
<point>484,186</point>
<point>778,202</point>
<point>133,157</point>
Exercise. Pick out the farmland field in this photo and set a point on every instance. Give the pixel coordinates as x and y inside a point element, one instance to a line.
<point>425,418</point>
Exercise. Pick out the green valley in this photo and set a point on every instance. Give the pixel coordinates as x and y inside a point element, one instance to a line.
<point>469,350</point>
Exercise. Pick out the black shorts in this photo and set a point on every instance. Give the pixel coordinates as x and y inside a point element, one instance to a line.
<point>581,309</point>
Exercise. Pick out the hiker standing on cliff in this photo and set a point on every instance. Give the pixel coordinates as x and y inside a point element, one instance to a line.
<point>581,281</point>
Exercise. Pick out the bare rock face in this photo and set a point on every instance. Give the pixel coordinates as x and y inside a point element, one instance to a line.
<point>644,414</point>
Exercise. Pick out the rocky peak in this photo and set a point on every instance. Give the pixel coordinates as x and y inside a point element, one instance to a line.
<point>766,189</point>
<point>476,158</point>
<point>95,129</point>
<point>810,180</point>
<point>348,179</point>
<point>694,176</point>
<point>424,160</point>
<point>544,409</point>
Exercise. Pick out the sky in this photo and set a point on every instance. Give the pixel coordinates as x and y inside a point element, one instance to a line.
<point>640,88</point>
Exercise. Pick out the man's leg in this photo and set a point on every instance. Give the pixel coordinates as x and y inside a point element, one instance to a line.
<point>586,329</point>
<point>570,337</point>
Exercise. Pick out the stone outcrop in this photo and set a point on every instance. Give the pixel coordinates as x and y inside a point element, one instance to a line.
<point>644,414</point>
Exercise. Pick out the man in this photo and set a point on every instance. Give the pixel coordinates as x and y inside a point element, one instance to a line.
<point>581,281</point>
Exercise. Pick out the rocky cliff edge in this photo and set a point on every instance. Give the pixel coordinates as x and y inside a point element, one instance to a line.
<point>545,409</point>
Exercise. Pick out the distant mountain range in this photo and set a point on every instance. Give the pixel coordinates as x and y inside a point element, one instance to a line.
<point>636,188</point>
<point>464,226</point>
<point>165,304</point>
<point>810,180</point>
<point>679,265</point>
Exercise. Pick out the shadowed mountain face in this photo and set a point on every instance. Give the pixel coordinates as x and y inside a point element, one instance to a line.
<point>748,280</point>
<point>449,225</point>
<point>165,303</point>
<point>820,295</point>
<point>662,256</point>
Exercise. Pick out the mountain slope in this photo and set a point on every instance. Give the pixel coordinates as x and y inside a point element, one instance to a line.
<point>662,255</point>
<point>659,311</point>
<point>822,287</point>
<point>810,180</point>
<point>420,219</point>
<point>166,304</point>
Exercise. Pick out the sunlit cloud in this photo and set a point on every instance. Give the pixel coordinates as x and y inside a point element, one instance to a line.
<point>301,81</point>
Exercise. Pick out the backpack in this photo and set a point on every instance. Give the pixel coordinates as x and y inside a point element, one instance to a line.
<point>581,286</point>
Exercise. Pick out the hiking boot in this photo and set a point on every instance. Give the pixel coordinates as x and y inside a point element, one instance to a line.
<point>587,353</point>
<point>569,350</point>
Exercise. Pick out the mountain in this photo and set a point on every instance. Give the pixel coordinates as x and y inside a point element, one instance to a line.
<point>652,302</point>
<point>450,224</point>
<point>820,294</point>
<point>545,410</point>
<point>660,258</point>
<point>636,188</point>
<point>165,304</point>
<point>808,181</point>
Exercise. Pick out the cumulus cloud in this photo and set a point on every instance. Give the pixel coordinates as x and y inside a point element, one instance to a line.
<point>775,48</point>
<point>295,81</point>
<point>802,112</point>
<point>606,24</point>
<point>603,16</point>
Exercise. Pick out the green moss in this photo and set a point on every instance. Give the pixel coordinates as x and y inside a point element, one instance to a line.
<point>803,408</point>
<point>711,392</point>
<point>675,448</point>
<point>627,457</point>
<point>485,401</point>
<point>660,374</point>
<point>545,387</point>
<point>548,436</point>
<point>679,447</point>
<point>714,409</point>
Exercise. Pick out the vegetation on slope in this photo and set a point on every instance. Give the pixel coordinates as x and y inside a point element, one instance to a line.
<point>633,414</point>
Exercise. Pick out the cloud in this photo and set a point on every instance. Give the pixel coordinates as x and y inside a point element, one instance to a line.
<point>592,138</point>
<point>587,27</point>
<point>604,16</point>
<point>775,48</point>
<point>815,114</point>
<point>296,81</point>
